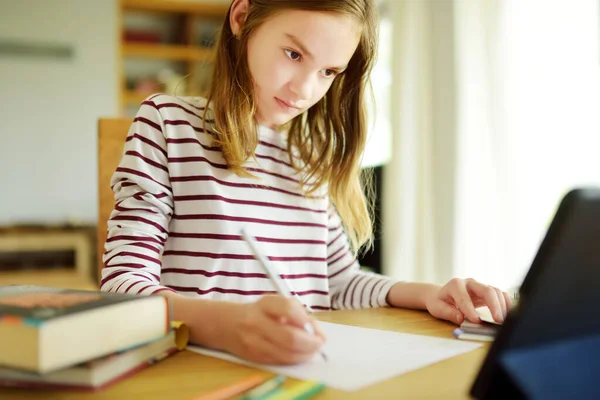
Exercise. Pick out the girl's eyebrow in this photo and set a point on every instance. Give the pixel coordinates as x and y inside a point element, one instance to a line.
<point>307,53</point>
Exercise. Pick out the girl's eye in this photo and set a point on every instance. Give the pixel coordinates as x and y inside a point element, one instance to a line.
<point>292,55</point>
<point>328,73</point>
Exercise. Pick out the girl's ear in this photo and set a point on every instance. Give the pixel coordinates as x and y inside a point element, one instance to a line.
<point>237,16</point>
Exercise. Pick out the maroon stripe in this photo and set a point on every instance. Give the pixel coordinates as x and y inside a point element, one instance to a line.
<point>224,166</point>
<point>336,239</point>
<point>146,160</point>
<point>208,255</point>
<point>163,289</point>
<point>335,254</point>
<point>142,276</point>
<point>132,254</point>
<point>335,228</point>
<point>221,290</point>
<point>381,289</point>
<point>307,292</point>
<point>157,196</point>
<point>273,146</point>
<point>240,292</point>
<point>136,238</point>
<point>373,291</point>
<point>354,291</point>
<point>132,285</point>
<point>180,122</point>
<point>128,265</point>
<point>214,273</point>
<point>204,178</point>
<point>127,184</point>
<point>156,277</point>
<point>119,287</point>
<point>287,164</point>
<point>330,263</point>
<point>238,237</point>
<point>348,286</point>
<point>140,197</point>
<point>111,276</point>
<point>142,175</point>
<point>244,202</point>
<point>362,292</point>
<point>237,274</point>
<point>144,288</point>
<point>193,140</point>
<point>174,105</point>
<point>302,276</point>
<point>148,142</point>
<point>321,308</point>
<point>126,209</point>
<point>342,270</point>
<point>219,217</point>
<point>193,106</point>
<point>148,122</point>
<point>227,256</point>
<point>138,219</point>
<point>197,159</point>
<point>276,175</point>
<point>145,246</point>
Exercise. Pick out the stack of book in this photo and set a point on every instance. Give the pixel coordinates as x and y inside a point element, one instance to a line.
<point>59,338</point>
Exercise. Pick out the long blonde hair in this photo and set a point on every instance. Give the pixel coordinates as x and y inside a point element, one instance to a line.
<point>329,137</point>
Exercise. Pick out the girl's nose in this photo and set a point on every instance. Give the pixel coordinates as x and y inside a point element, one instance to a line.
<point>302,86</point>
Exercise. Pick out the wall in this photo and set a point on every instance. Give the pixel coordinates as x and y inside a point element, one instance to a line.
<point>49,108</point>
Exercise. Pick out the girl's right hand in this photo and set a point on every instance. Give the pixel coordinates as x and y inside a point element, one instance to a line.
<point>271,331</point>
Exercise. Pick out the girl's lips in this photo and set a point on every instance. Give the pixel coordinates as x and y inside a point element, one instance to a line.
<point>286,105</point>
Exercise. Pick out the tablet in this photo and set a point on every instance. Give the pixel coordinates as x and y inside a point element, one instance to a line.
<point>549,344</point>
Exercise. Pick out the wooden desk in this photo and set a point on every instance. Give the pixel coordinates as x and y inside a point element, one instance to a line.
<point>186,375</point>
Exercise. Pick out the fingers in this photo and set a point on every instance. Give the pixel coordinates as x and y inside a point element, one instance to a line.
<point>318,330</point>
<point>441,309</point>
<point>261,349</point>
<point>282,324</point>
<point>508,300</point>
<point>502,302</point>
<point>490,297</point>
<point>462,298</point>
<point>289,311</point>
<point>288,337</point>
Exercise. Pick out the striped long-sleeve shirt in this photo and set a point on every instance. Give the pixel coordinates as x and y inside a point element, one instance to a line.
<point>179,212</point>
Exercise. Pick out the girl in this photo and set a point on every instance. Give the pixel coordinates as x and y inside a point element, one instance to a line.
<point>274,149</point>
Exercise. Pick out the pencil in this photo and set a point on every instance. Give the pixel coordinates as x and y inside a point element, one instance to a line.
<point>278,282</point>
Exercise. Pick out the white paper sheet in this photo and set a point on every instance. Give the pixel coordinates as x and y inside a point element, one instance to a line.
<point>360,357</point>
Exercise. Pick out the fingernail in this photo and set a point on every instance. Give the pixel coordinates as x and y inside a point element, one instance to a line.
<point>458,318</point>
<point>499,317</point>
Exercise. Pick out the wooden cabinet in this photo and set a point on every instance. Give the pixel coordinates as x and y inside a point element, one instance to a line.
<point>166,46</point>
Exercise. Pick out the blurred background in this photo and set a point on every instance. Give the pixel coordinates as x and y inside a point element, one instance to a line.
<point>486,113</point>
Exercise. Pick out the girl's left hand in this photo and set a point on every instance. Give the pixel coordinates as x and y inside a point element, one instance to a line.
<point>458,299</point>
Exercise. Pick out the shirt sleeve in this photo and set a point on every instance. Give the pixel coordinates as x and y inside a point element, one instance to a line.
<point>138,224</point>
<point>350,287</point>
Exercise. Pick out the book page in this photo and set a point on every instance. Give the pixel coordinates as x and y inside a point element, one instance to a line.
<point>360,357</point>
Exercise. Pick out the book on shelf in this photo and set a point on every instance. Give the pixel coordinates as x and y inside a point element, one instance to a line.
<point>46,329</point>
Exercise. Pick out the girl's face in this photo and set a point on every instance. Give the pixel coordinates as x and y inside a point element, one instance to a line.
<point>294,57</point>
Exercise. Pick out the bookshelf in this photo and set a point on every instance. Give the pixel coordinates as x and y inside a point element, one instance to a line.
<point>165,46</point>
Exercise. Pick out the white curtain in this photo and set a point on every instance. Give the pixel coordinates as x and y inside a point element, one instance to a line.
<point>495,115</point>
